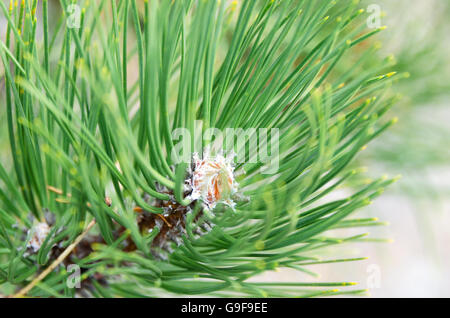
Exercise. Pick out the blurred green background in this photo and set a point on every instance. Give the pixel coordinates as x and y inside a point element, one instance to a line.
<point>418,148</point>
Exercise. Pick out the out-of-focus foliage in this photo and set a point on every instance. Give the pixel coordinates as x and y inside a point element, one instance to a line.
<point>420,46</point>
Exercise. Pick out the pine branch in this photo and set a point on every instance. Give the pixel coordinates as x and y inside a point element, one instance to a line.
<point>59,260</point>
<point>94,111</point>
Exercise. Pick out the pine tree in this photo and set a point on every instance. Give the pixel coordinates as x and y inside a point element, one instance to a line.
<point>99,180</point>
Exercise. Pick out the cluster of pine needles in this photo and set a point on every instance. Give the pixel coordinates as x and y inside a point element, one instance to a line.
<point>91,99</point>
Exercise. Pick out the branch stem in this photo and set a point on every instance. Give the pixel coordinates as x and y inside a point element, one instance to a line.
<point>58,261</point>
